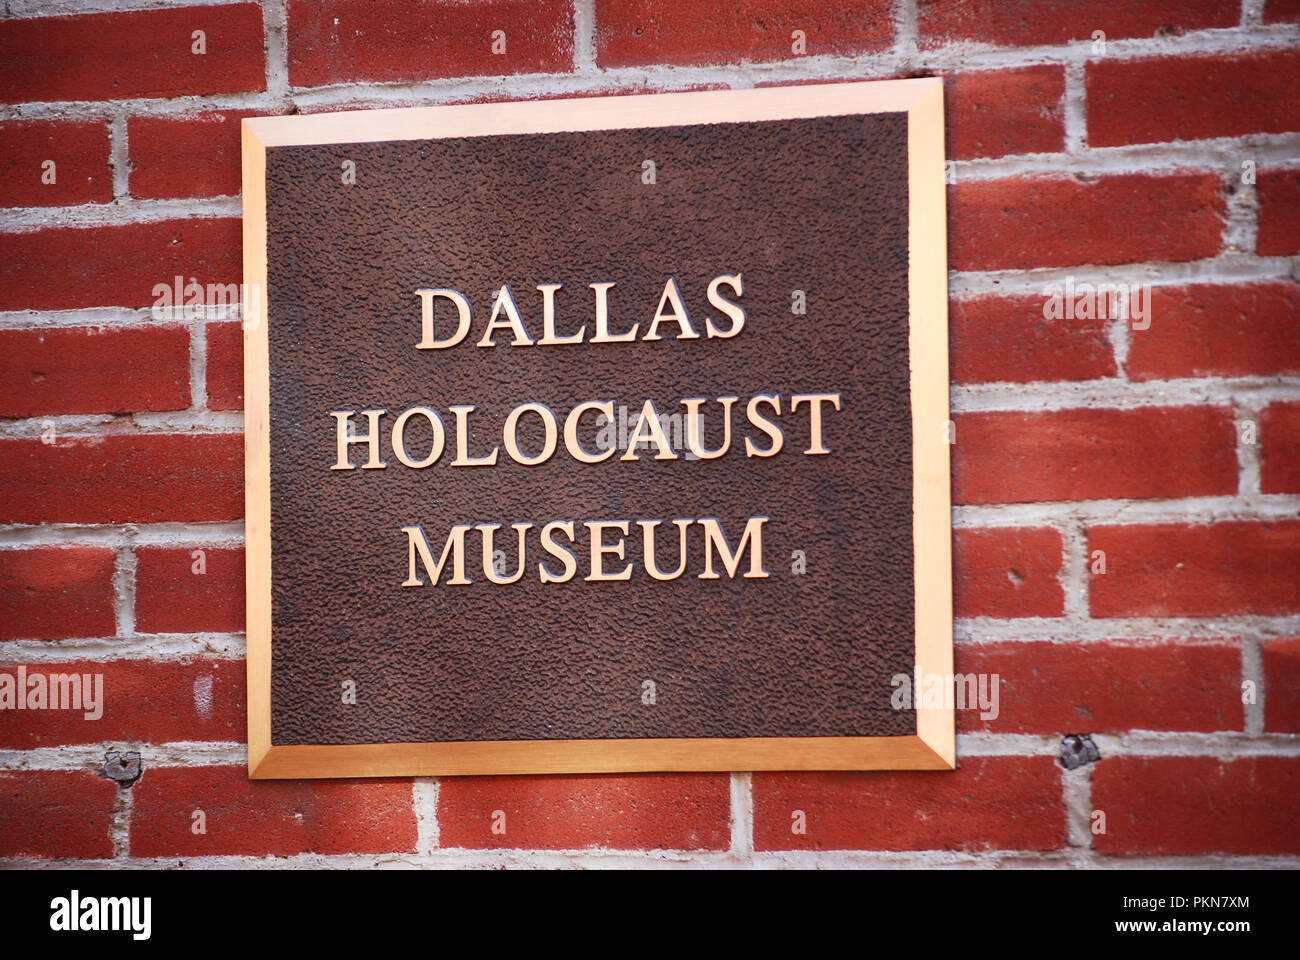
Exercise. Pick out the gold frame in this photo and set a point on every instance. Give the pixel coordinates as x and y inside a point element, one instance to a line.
<point>933,747</point>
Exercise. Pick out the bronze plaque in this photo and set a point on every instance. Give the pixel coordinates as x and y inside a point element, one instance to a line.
<point>598,435</point>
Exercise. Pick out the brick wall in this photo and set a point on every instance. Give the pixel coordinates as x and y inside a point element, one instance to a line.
<point>1127,553</point>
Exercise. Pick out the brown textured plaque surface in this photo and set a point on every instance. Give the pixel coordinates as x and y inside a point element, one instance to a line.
<point>817,205</point>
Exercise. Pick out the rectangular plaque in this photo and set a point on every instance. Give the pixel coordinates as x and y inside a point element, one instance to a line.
<point>599,435</point>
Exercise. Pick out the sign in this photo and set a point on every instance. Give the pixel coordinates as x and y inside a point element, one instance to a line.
<point>599,435</point>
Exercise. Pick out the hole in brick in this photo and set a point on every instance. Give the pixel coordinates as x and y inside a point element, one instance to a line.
<point>1078,749</point>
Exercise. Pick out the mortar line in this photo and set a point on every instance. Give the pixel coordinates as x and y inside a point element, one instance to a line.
<point>275,29</point>
<point>742,815</point>
<point>424,800</point>
<point>162,647</point>
<point>120,830</point>
<point>199,366</point>
<point>1206,510</point>
<point>906,23</point>
<point>1225,745</point>
<point>1074,571</point>
<point>1076,786</point>
<point>124,567</point>
<point>1075,114</point>
<point>119,155</point>
<point>585,859</point>
<point>1246,413</point>
<point>584,38</point>
<point>1252,671</point>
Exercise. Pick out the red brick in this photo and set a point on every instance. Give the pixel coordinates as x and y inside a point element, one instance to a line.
<point>47,814</point>
<point>225,366</point>
<point>1279,438</point>
<point>1281,685</point>
<point>1145,453</point>
<point>998,112</point>
<point>1006,572</point>
<point>1203,571</point>
<point>1222,330</point>
<point>640,812</point>
<point>197,155</point>
<point>144,701</point>
<point>995,339</point>
<point>1282,11</point>
<point>94,370</point>
<point>71,267</point>
<point>122,479</point>
<point>171,598</point>
<point>342,41</point>
<point>144,53</point>
<point>79,149</point>
<point>1111,687</point>
<point>278,818</point>
<point>1189,805</point>
<point>1032,22</point>
<point>988,803</point>
<point>1278,192</point>
<point>640,32</point>
<point>1192,98</point>
<point>56,593</point>
<point>992,113</point>
<point>1054,221</point>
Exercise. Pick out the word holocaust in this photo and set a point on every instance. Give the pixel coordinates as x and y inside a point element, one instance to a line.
<point>762,411</point>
